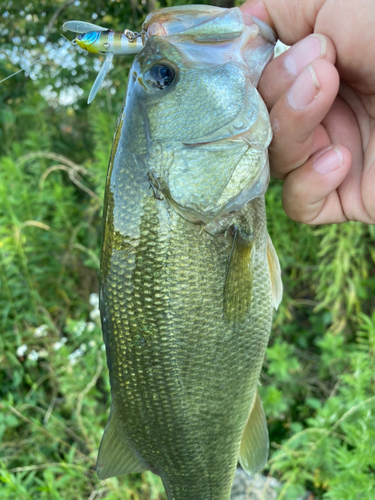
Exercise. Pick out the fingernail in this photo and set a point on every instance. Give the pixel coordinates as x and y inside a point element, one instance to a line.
<point>328,161</point>
<point>304,52</point>
<point>304,89</point>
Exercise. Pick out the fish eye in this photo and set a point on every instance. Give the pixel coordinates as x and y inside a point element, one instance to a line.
<point>159,76</point>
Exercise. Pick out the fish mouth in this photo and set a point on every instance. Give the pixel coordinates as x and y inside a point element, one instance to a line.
<point>197,144</point>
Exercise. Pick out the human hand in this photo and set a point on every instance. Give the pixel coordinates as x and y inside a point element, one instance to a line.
<point>324,142</point>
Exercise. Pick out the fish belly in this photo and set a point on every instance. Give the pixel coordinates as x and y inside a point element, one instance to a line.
<point>183,373</point>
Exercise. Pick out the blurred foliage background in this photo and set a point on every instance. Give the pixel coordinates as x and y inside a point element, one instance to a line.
<point>318,378</point>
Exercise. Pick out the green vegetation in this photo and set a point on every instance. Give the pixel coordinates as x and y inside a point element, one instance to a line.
<point>318,380</point>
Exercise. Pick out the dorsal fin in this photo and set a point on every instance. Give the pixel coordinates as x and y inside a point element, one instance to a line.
<point>275,274</point>
<point>254,445</point>
<point>115,455</point>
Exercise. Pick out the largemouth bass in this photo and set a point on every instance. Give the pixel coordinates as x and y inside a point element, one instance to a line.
<point>189,276</point>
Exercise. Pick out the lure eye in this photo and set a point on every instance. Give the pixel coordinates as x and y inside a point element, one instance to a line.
<point>159,76</point>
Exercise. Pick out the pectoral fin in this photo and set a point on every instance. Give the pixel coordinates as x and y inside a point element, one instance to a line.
<point>275,274</point>
<point>254,445</point>
<point>239,279</point>
<point>115,455</point>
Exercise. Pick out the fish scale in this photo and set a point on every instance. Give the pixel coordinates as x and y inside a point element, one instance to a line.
<point>186,307</point>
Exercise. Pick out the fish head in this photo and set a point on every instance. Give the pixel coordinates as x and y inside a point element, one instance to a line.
<point>206,129</point>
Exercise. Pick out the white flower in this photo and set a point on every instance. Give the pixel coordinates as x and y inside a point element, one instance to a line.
<point>83,348</point>
<point>43,353</point>
<point>94,300</point>
<point>95,314</point>
<point>40,331</point>
<point>79,328</point>
<point>103,347</point>
<point>33,356</point>
<point>21,350</point>
<point>92,343</point>
<point>72,358</point>
<point>58,345</point>
<point>90,326</point>
<point>76,354</point>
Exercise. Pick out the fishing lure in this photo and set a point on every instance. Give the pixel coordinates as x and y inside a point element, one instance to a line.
<point>99,40</point>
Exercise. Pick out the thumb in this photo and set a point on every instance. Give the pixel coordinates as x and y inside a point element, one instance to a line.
<point>291,19</point>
